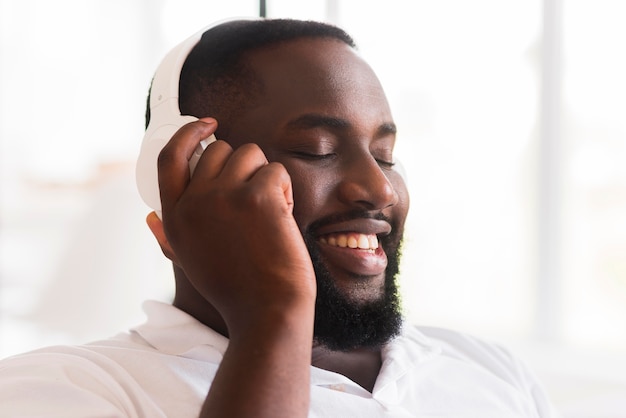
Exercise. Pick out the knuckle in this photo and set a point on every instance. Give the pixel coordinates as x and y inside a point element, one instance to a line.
<point>250,147</point>
<point>252,198</point>
<point>252,150</point>
<point>278,169</point>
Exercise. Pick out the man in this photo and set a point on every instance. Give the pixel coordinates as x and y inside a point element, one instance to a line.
<point>285,245</point>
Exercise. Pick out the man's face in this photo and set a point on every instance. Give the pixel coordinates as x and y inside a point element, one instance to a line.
<point>323,114</point>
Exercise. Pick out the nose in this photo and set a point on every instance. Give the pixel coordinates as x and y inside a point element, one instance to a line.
<point>365,183</point>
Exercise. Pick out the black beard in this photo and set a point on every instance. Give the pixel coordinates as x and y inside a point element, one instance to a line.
<point>342,324</point>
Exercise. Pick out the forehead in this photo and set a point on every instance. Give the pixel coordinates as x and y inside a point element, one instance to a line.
<point>317,74</point>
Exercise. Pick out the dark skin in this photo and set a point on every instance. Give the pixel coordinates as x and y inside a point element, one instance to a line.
<point>319,143</point>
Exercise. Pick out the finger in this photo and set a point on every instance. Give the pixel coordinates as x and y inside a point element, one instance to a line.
<point>244,163</point>
<point>173,161</point>
<point>212,161</point>
<point>276,176</point>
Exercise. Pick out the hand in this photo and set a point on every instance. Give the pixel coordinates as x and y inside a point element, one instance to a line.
<point>231,229</point>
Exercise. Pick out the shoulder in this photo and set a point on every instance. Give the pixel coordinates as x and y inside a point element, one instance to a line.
<point>43,381</point>
<point>458,350</point>
<point>466,348</point>
<point>462,345</point>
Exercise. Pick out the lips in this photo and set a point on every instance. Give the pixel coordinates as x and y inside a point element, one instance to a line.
<point>353,246</point>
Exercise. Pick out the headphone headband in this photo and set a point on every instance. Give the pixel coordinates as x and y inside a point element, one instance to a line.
<point>165,82</point>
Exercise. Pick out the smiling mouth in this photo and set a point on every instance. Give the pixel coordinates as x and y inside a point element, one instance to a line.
<point>352,240</point>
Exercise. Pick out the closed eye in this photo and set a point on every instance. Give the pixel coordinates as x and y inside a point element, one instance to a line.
<point>313,156</point>
<point>385,164</point>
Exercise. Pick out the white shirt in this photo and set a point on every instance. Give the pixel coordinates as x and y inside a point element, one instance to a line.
<point>164,368</point>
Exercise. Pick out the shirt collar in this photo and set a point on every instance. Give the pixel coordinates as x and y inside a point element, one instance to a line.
<point>399,356</point>
<point>403,353</point>
<point>172,331</point>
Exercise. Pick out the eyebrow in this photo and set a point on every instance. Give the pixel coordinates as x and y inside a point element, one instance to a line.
<point>314,120</point>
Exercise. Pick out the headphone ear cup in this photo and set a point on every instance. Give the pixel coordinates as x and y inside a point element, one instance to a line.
<point>147,175</point>
<point>166,119</point>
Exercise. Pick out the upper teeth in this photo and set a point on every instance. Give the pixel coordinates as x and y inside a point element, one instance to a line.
<point>351,240</point>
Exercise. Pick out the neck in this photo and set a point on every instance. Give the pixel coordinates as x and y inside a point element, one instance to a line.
<point>188,299</point>
<point>361,365</point>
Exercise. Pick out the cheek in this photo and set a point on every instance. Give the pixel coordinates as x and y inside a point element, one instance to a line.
<point>311,193</point>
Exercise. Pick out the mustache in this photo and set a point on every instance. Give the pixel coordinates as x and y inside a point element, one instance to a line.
<point>347,216</point>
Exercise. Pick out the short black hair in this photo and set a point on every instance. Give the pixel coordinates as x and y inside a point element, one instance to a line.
<point>215,82</point>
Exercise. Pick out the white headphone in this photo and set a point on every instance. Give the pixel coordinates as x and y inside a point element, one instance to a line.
<point>166,119</point>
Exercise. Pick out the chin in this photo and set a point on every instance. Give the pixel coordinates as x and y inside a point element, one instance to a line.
<point>360,290</point>
<point>355,312</point>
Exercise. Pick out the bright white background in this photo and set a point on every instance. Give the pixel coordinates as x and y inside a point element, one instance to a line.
<point>512,117</point>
